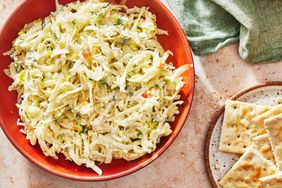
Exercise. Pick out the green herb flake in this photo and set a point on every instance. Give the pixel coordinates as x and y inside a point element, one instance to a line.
<point>119,22</point>
<point>104,106</point>
<point>138,86</point>
<point>28,115</point>
<point>49,53</point>
<point>17,67</point>
<point>131,93</point>
<point>21,76</point>
<point>71,65</point>
<point>124,41</point>
<point>83,128</point>
<point>102,82</point>
<point>49,48</point>
<point>43,25</point>
<point>127,87</point>
<point>101,15</point>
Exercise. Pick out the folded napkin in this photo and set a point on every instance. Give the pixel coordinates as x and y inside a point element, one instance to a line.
<point>211,24</point>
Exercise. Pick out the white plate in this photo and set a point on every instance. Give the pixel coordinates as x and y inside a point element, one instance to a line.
<point>217,162</point>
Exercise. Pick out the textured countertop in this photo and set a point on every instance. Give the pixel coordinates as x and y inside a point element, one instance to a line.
<point>218,76</point>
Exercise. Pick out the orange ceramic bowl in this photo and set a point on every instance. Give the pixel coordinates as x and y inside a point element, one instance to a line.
<point>30,10</point>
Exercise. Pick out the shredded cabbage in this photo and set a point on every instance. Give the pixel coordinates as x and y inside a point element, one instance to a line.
<point>94,83</point>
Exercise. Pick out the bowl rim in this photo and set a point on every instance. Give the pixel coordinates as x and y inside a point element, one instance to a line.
<point>140,165</point>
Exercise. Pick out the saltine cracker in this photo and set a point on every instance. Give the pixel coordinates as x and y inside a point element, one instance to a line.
<point>273,181</point>
<point>247,171</point>
<point>274,128</point>
<point>262,145</point>
<point>237,131</point>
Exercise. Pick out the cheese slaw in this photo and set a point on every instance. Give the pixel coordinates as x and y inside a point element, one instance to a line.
<point>94,83</point>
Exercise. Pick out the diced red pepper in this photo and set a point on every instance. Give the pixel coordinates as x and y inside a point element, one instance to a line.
<point>147,94</point>
<point>161,66</point>
<point>86,53</point>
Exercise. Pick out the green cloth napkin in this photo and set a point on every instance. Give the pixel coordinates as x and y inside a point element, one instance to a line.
<point>212,24</point>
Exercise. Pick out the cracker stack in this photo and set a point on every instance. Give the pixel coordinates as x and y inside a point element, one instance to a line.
<point>238,128</point>
<point>256,132</point>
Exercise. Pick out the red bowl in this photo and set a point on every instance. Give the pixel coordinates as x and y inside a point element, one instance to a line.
<point>176,42</point>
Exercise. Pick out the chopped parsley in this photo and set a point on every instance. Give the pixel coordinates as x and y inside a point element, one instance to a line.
<point>119,22</point>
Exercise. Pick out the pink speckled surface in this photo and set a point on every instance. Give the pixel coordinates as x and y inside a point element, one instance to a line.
<point>219,76</point>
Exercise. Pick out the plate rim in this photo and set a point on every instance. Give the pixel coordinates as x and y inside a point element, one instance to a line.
<point>218,115</point>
